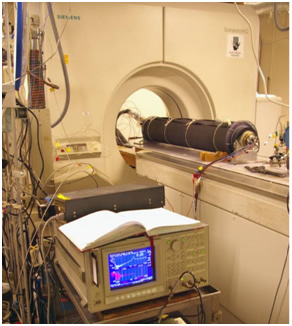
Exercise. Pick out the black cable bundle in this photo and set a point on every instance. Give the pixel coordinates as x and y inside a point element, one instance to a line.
<point>208,135</point>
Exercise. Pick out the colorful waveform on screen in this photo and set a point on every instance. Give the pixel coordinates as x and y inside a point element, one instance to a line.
<point>130,267</point>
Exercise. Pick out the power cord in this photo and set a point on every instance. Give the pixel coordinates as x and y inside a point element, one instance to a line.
<point>256,59</point>
<point>280,28</point>
<point>280,281</point>
<point>60,216</point>
<point>203,318</point>
<point>202,169</point>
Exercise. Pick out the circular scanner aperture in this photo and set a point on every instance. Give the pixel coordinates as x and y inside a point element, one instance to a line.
<point>182,93</point>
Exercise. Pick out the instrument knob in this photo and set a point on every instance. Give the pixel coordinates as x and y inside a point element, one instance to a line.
<point>175,245</point>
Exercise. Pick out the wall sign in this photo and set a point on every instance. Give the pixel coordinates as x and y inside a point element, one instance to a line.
<point>235,46</point>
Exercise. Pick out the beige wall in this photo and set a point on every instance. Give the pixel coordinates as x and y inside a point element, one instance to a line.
<point>274,57</point>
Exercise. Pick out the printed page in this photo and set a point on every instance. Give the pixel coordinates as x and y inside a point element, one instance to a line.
<point>159,219</point>
<point>96,228</point>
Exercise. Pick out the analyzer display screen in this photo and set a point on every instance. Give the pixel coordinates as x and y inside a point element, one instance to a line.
<point>130,267</point>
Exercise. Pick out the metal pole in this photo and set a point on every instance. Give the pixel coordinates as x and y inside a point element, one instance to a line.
<point>17,271</point>
<point>23,252</point>
<point>7,39</point>
<point>17,175</point>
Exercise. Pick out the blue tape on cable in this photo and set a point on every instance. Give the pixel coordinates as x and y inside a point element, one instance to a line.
<point>286,137</point>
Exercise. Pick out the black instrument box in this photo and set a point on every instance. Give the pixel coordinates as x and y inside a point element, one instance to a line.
<point>118,198</point>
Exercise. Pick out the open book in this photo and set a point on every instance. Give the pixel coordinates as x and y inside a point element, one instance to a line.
<point>103,227</point>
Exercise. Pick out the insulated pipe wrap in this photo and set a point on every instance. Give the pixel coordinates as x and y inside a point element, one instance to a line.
<point>175,131</point>
<point>208,135</point>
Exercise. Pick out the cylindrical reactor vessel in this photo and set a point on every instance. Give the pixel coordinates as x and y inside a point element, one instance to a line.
<point>208,135</point>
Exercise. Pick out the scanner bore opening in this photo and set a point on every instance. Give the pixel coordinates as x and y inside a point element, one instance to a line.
<point>143,103</point>
<point>183,93</point>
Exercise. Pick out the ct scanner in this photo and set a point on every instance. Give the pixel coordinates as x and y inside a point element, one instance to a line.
<point>181,52</point>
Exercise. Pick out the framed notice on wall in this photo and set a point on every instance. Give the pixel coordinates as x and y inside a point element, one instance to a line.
<point>235,46</point>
